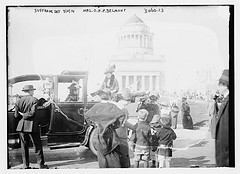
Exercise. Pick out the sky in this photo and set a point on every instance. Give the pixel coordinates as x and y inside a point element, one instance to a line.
<point>43,42</point>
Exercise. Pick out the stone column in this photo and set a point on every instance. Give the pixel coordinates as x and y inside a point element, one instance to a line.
<point>127,81</point>
<point>143,83</point>
<point>120,82</point>
<point>151,83</point>
<point>158,83</point>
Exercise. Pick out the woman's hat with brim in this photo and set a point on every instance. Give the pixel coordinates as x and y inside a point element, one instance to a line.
<point>225,77</point>
<point>154,93</point>
<point>184,98</point>
<point>28,88</point>
<point>175,109</point>
<point>74,86</point>
<point>110,69</point>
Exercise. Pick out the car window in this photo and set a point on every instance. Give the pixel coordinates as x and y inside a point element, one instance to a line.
<point>70,92</point>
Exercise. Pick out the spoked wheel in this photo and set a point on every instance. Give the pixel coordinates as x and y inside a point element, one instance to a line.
<point>92,144</point>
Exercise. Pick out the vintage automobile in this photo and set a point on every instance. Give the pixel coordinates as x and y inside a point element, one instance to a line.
<point>61,122</point>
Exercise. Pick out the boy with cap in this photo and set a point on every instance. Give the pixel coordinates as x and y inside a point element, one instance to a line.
<point>165,136</point>
<point>28,127</point>
<point>141,140</point>
<point>222,132</point>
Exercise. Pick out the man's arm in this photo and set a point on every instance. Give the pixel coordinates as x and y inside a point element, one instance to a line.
<point>16,114</point>
<point>31,112</point>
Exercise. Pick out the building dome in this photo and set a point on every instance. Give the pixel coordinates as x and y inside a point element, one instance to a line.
<point>135,37</point>
<point>135,24</point>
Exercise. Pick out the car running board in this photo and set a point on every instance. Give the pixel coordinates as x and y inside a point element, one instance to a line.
<point>61,146</point>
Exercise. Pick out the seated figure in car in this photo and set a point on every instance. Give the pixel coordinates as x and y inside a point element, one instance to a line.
<point>73,92</point>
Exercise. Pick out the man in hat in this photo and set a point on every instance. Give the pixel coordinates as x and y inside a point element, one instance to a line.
<point>151,105</point>
<point>28,127</point>
<point>110,82</point>
<point>222,123</point>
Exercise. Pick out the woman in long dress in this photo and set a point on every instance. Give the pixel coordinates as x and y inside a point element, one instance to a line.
<point>186,117</point>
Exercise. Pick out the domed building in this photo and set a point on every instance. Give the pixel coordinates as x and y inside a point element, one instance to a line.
<point>136,65</point>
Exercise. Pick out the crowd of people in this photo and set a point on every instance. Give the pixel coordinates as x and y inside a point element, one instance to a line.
<point>152,136</point>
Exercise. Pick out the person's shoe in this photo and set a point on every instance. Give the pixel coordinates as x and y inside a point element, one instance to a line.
<point>43,166</point>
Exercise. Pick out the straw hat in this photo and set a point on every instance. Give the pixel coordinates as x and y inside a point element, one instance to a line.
<point>175,109</point>
<point>110,69</point>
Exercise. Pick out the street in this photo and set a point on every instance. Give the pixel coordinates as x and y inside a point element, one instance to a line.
<point>192,148</point>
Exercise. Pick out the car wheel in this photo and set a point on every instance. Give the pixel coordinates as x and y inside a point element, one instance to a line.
<point>92,144</point>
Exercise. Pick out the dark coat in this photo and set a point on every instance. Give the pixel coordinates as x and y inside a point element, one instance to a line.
<point>142,135</point>
<point>152,109</point>
<point>27,105</point>
<point>186,117</point>
<point>165,136</point>
<point>107,117</point>
<point>222,134</point>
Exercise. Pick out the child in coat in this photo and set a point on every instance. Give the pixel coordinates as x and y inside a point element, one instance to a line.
<point>165,137</point>
<point>154,124</point>
<point>141,140</point>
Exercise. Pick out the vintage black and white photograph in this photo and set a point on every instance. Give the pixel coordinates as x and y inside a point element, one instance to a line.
<point>119,86</point>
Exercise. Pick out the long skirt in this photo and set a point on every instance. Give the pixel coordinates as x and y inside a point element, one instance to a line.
<point>187,122</point>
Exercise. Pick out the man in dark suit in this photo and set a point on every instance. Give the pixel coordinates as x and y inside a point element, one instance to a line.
<point>222,133</point>
<point>28,127</point>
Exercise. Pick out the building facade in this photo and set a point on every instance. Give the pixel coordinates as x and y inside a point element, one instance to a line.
<point>136,65</point>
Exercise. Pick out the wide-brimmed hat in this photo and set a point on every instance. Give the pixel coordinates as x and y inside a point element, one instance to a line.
<point>155,118</point>
<point>225,77</point>
<point>184,98</point>
<point>74,86</point>
<point>142,114</point>
<point>175,109</point>
<point>28,88</point>
<point>110,69</point>
<point>154,93</point>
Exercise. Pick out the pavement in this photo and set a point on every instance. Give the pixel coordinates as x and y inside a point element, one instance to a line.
<point>192,148</point>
